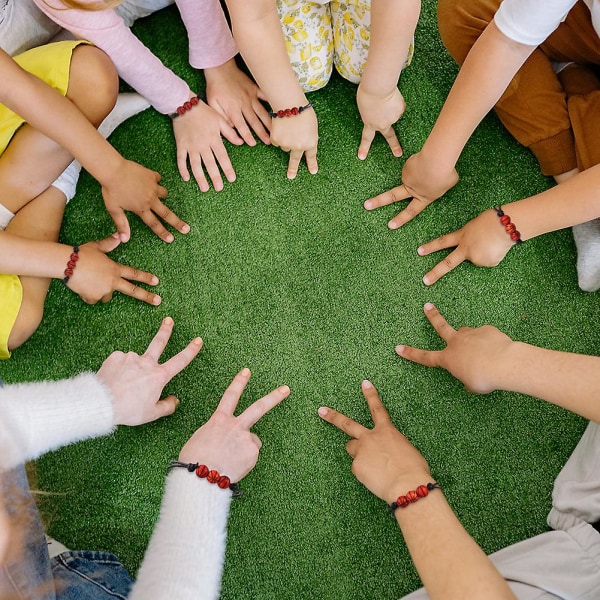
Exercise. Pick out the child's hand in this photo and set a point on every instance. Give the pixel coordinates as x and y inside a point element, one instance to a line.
<point>482,241</point>
<point>384,461</point>
<point>422,181</point>
<point>136,382</point>
<point>477,357</point>
<point>237,99</point>
<point>138,190</point>
<point>299,136</point>
<point>379,115</point>
<point>225,441</point>
<point>198,138</point>
<point>96,277</point>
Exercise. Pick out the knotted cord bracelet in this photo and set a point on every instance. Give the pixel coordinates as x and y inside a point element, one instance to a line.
<point>510,227</point>
<point>289,112</point>
<point>211,475</point>
<point>193,101</point>
<point>413,496</point>
<point>71,265</point>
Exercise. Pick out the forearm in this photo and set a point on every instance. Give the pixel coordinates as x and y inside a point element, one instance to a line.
<point>258,34</point>
<point>393,26</point>
<point>185,556</point>
<point>24,257</point>
<point>570,203</point>
<point>568,380</point>
<point>484,76</point>
<point>43,416</point>
<point>449,562</point>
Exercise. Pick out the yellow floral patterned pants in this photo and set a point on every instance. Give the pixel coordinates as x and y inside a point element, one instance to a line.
<point>322,33</point>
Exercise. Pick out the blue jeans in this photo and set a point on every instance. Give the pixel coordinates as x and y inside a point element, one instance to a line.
<point>32,575</point>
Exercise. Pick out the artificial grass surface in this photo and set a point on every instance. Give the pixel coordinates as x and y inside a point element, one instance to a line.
<point>297,281</point>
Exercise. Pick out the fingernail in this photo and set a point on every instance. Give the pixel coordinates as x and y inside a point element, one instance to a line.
<point>284,389</point>
<point>197,341</point>
<point>392,225</point>
<point>420,251</point>
<point>361,157</point>
<point>245,372</point>
<point>367,205</point>
<point>169,239</point>
<point>168,321</point>
<point>399,349</point>
<point>156,300</point>
<point>185,229</point>
<point>367,385</point>
<point>322,411</point>
<point>426,280</point>
<point>428,306</point>
<point>154,280</point>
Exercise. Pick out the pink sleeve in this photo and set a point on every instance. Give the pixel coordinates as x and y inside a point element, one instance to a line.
<point>210,39</point>
<point>143,71</point>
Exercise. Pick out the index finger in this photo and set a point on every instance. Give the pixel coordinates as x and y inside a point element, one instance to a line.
<point>182,359</point>
<point>415,207</point>
<point>393,141</point>
<point>455,258</point>
<point>346,424</point>
<point>311,160</point>
<point>365,142</point>
<point>394,195</point>
<point>441,326</point>
<point>167,215</point>
<point>378,411</point>
<point>159,342</point>
<point>261,407</point>
<point>233,393</point>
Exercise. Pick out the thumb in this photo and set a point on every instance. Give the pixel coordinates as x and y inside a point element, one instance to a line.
<point>166,406</point>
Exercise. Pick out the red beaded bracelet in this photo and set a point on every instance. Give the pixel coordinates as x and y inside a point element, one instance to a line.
<point>413,496</point>
<point>211,475</point>
<point>289,112</point>
<point>193,101</point>
<point>71,265</point>
<point>510,227</point>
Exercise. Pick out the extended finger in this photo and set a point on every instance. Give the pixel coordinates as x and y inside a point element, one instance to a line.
<point>223,159</point>
<point>198,171</point>
<point>233,393</point>
<point>261,407</point>
<point>378,410</point>
<point>441,326</point>
<point>450,240</point>
<point>260,121</point>
<point>167,215</point>
<point>130,289</point>
<point>162,192</point>
<point>394,195</point>
<point>415,207</point>
<point>368,134</point>
<point>210,164</point>
<point>159,342</point>
<point>444,267</point>
<point>182,359</point>
<point>122,224</point>
<point>294,163</point>
<point>393,141</point>
<point>346,424</point>
<point>428,358</point>
<point>182,166</point>
<point>243,130</point>
<point>150,219</point>
<point>311,161</point>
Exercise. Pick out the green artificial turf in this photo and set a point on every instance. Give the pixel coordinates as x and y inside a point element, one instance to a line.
<point>295,280</point>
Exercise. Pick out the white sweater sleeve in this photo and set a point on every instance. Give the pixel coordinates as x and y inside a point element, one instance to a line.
<point>43,416</point>
<point>184,559</point>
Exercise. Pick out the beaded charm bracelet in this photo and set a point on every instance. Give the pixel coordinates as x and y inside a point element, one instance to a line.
<point>289,112</point>
<point>413,496</point>
<point>193,101</point>
<point>510,227</point>
<point>71,265</point>
<point>211,475</point>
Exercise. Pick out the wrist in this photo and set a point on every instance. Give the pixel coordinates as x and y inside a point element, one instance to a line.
<point>401,485</point>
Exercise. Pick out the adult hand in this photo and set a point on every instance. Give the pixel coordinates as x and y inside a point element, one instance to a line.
<point>96,277</point>
<point>379,115</point>
<point>138,190</point>
<point>225,442</point>
<point>474,356</point>
<point>482,241</point>
<point>237,99</point>
<point>298,135</point>
<point>421,181</point>
<point>198,137</point>
<point>384,461</point>
<point>136,382</point>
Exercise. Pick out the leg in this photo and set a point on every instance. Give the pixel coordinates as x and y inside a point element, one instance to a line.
<point>309,41</point>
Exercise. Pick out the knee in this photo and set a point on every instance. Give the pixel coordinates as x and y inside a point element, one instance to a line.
<point>461,22</point>
<point>93,83</point>
<point>27,322</point>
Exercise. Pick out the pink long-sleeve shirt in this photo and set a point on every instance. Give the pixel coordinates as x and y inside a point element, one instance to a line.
<point>210,45</point>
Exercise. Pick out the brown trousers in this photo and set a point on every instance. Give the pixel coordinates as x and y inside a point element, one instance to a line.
<point>556,116</point>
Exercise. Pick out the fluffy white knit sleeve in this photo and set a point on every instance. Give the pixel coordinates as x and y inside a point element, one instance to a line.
<point>184,559</point>
<point>43,416</point>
